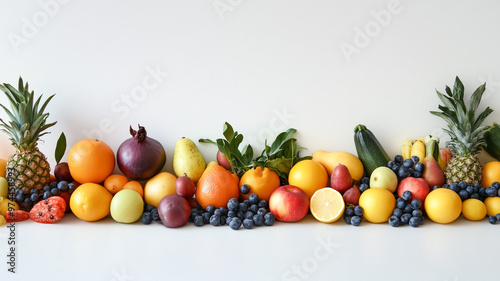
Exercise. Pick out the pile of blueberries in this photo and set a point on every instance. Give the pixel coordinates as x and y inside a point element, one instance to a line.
<point>406,168</point>
<point>353,215</point>
<point>406,211</point>
<point>53,189</point>
<point>249,213</point>
<point>466,191</point>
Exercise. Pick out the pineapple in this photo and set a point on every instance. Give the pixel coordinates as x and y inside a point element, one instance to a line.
<point>27,168</point>
<point>465,131</point>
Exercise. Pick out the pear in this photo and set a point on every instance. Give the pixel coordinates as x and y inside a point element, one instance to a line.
<point>341,179</point>
<point>433,173</point>
<point>351,196</point>
<point>188,160</point>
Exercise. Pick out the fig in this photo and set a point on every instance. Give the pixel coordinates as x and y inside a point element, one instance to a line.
<point>174,210</point>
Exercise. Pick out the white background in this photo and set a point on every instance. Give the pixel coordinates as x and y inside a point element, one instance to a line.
<point>183,68</point>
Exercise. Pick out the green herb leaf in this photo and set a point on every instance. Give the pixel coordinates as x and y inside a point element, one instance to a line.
<point>207,141</point>
<point>60,147</point>
<point>228,132</point>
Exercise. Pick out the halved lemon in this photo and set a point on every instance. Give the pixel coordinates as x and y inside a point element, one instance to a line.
<point>327,205</point>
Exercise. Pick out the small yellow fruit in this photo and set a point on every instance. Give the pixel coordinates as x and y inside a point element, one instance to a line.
<point>3,165</point>
<point>473,209</point>
<point>377,204</point>
<point>90,202</point>
<point>159,186</point>
<point>327,205</point>
<point>443,205</point>
<point>492,205</point>
<point>6,205</point>
<point>2,220</point>
<point>309,176</point>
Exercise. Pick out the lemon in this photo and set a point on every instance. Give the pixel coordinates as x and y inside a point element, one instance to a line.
<point>492,205</point>
<point>327,205</point>
<point>6,204</point>
<point>309,176</point>
<point>443,205</point>
<point>90,202</point>
<point>377,204</point>
<point>473,209</point>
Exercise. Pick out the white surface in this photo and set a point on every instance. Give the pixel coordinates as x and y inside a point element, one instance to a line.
<point>263,66</point>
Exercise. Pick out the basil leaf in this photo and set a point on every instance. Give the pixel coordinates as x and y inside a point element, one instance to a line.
<point>228,132</point>
<point>60,148</point>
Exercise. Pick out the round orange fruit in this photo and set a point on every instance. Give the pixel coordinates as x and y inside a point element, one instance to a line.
<point>135,185</point>
<point>216,186</point>
<point>261,182</point>
<point>309,176</point>
<point>90,202</point>
<point>115,183</point>
<point>91,160</point>
<point>491,173</point>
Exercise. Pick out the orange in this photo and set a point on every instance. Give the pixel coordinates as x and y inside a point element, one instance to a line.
<point>261,182</point>
<point>90,202</point>
<point>491,173</point>
<point>91,160</point>
<point>135,185</point>
<point>3,164</point>
<point>216,186</point>
<point>377,204</point>
<point>309,176</point>
<point>115,183</point>
<point>443,205</point>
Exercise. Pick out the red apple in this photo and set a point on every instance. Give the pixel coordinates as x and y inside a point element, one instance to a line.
<point>222,160</point>
<point>289,203</point>
<point>418,186</point>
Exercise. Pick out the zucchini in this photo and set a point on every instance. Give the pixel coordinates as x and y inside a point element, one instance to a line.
<point>492,137</point>
<point>370,151</point>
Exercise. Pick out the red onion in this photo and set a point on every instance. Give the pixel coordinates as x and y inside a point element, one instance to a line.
<point>140,157</point>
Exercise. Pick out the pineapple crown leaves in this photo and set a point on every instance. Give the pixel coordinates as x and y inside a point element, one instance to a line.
<point>465,130</point>
<point>27,118</point>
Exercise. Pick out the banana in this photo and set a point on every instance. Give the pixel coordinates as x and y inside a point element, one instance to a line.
<point>406,149</point>
<point>418,149</point>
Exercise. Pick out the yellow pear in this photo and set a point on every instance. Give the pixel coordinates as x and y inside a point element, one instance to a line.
<point>330,160</point>
<point>188,159</point>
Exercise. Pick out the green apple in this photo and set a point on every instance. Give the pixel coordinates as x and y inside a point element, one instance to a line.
<point>126,206</point>
<point>4,187</point>
<point>383,177</point>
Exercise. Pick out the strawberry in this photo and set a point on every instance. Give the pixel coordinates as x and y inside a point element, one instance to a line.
<point>49,210</point>
<point>16,216</point>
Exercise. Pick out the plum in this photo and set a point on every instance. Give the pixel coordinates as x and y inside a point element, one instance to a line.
<point>184,186</point>
<point>174,210</point>
<point>62,173</point>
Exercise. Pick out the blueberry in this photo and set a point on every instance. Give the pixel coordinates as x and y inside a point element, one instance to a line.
<point>475,187</point>
<point>53,185</point>
<point>46,195</point>
<point>358,211</point>
<point>463,195</point>
<point>228,220</point>
<point>223,211</point>
<point>419,167</point>
<point>356,220</point>
<point>363,187</point>
<point>395,168</point>
<point>210,209</point>
<point>146,218</point>
<point>435,187</point>
<point>491,191</point>
<point>397,212</point>
<point>254,208</point>
<point>394,221</point>
<point>28,202</point>
<point>233,204</point>
<point>218,212</point>
<point>247,202</point>
<point>470,189</point>
<point>62,185</point>
<point>155,215</point>
<point>258,220</point>
<point>416,203</point>
<point>18,191</point>
<point>262,203</point>
<point>349,212</point>
<point>408,163</point>
<point>231,214</point>
<point>248,215</point>
<point>240,214</point>
<point>269,219</point>
<point>416,213</point>
<point>415,159</point>
<point>223,220</point>
<point>492,219</point>
<point>198,220</point>
<point>406,195</point>
<point>365,179</point>
<point>245,189</point>
<point>243,207</point>
<point>34,191</point>
<point>54,191</point>
<point>254,198</point>
<point>206,217</point>
<point>414,222</point>
<point>34,197</point>
<point>405,218</point>
<point>235,223</point>
<point>408,208</point>
<point>462,184</point>
<point>400,203</point>
<point>149,208</point>
<point>475,195</point>
<point>398,158</point>
<point>248,223</point>
<point>71,187</point>
<point>417,174</point>
<point>403,172</point>
<point>391,164</point>
<point>454,186</point>
<point>498,217</point>
<point>482,192</point>
<point>347,219</point>
<point>215,220</point>
<point>495,185</point>
<point>261,211</point>
<point>446,185</point>
<point>20,197</point>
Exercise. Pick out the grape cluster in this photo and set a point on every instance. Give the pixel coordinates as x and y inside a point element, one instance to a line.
<point>249,213</point>
<point>53,189</point>
<point>406,211</point>
<point>353,215</point>
<point>466,191</point>
<point>150,214</point>
<point>404,168</point>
